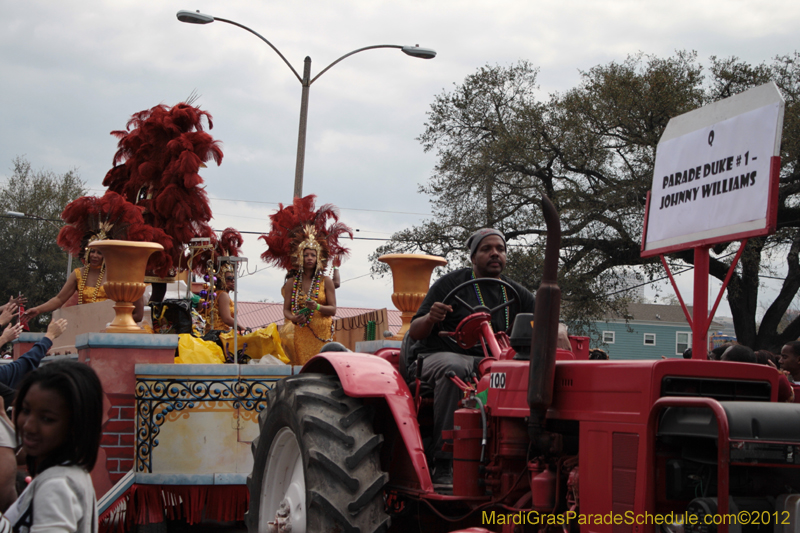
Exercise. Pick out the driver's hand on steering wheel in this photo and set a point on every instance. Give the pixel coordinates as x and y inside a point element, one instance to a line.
<point>439,311</point>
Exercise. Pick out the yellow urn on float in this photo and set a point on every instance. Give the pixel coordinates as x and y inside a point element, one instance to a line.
<point>411,278</point>
<point>125,268</point>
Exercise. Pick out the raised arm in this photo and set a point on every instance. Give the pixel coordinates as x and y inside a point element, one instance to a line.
<point>330,296</point>
<point>58,300</point>
<point>337,262</point>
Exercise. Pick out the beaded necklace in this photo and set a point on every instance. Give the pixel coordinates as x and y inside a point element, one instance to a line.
<point>84,275</point>
<point>313,294</point>
<point>480,297</point>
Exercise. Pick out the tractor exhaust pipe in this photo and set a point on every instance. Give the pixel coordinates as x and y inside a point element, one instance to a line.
<point>545,335</point>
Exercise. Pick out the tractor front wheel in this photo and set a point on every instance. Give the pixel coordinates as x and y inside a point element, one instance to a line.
<point>315,464</point>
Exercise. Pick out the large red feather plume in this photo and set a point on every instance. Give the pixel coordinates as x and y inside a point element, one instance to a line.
<point>156,166</point>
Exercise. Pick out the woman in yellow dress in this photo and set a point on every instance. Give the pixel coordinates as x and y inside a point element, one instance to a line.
<point>301,240</point>
<point>310,303</point>
<point>223,303</point>
<point>87,281</point>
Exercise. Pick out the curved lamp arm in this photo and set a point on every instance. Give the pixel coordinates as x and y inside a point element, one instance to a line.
<point>266,41</point>
<point>195,17</point>
<point>413,51</point>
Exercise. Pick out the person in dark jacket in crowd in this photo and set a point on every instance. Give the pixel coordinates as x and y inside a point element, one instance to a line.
<point>12,373</point>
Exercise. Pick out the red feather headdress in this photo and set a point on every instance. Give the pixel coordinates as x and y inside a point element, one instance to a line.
<point>299,226</point>
<point>229,243</point>
<point>157,166</point>
<point>90,218</point>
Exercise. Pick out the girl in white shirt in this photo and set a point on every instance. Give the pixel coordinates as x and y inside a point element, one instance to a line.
<point>58,416</point>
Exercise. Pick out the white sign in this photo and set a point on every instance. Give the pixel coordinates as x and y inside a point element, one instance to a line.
<point>712,171</point>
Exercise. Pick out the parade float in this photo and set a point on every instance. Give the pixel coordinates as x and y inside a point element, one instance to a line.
<point>176,436</point>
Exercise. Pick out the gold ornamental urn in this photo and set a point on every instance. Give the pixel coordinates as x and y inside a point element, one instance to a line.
<point>125,267</point>
<point>411,278</point>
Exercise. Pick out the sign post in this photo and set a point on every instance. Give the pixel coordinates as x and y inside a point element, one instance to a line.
<point>715,180</point>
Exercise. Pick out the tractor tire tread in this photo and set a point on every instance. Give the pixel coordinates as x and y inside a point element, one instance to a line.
<point>367,448</point>
<point>363,411</point>
<point>334,471</point>
<point>340,449</point>
<point>312,422</point>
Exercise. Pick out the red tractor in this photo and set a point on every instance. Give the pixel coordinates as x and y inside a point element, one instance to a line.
<point>570,445</point>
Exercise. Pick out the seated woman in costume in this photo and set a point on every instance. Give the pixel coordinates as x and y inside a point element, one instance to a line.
<point>223,303</point>
<point>310,303</point>
<point>87,281</point>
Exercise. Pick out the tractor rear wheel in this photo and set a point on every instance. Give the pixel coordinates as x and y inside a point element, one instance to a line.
<point>315,464</point>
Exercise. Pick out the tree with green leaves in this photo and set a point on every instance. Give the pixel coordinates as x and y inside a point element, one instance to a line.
<point>33,263</point>
<point>592,149</point>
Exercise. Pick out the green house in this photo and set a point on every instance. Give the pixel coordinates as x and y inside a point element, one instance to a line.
<point>647,331</point>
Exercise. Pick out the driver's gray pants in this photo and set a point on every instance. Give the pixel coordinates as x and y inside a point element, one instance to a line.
<point>446,395</point>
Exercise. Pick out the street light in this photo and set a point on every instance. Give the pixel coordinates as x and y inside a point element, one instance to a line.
<point>195,17</point>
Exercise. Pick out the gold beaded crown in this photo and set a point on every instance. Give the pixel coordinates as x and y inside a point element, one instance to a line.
<point>311,242</point>
<point>103,231</point>
<point>225,268</point>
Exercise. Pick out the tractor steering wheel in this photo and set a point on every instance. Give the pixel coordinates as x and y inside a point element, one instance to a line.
<point>513,305</point>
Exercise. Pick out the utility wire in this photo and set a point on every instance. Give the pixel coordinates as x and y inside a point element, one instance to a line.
<point>34,218</point>
<point>354,238</point>
<point>340,208</point>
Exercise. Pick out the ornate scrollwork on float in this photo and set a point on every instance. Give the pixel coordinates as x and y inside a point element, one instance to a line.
<point>159,400</point>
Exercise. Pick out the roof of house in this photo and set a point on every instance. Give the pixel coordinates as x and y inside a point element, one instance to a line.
<point>256,315</point>
<point>656,313</point>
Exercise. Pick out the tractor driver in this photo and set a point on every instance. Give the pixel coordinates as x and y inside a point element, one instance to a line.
<point>487,248</point>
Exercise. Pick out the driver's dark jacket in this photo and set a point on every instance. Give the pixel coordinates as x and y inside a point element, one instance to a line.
<point>492,297</point>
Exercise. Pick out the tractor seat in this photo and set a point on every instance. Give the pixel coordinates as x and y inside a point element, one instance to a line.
<point>407,366</point>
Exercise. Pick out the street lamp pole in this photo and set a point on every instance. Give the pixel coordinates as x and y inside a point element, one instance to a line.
<point>301,133</point>
<point>195,17</point>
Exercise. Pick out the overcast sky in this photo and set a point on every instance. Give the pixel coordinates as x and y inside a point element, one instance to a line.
<point>72,71</point>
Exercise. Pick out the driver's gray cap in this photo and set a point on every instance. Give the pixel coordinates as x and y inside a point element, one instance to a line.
<point>475,239</point>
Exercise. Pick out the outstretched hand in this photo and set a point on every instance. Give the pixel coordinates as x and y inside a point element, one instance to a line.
<point>18,300</point>
<point>56,328</point>
<point>10,309</point>
<point>11,333</point>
